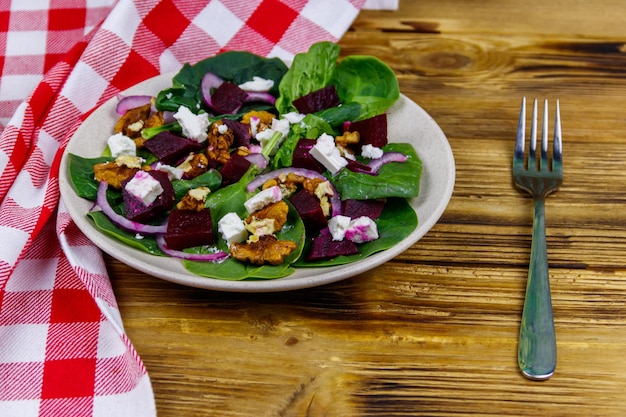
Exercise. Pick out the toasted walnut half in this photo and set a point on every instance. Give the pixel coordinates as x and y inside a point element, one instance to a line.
<point>276,211</point>
<point>267,250</point>
<point>116,172</point>
<point>134,120</point>
<point>219,142</point>
<point>194,199</point>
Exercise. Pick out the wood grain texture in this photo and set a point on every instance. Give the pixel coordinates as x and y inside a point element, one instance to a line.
<point>434,331</point>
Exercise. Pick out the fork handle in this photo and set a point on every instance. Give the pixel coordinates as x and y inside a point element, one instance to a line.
<point>537,340</point>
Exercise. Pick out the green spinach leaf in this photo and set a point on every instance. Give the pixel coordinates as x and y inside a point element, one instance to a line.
<point>395,179</point>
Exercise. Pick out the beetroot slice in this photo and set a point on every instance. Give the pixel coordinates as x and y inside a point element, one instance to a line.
<point>169,147</point>
<point>227,98</point>
<point>302,158</point>
<point>315,101</point>
<point>241,132</point>
<point>358,208</point>
<point>137,211</point>
<point>324,247</point>
<point>234,169</point>
<point>308,207</point>
<point>372,131</point>
<point>189,228</point>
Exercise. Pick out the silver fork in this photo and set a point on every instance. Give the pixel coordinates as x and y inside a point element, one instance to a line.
<point>537,340</point>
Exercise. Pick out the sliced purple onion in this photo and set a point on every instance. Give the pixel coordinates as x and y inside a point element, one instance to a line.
<point>121,221</point>
<point>257,159</point>
<point>260,96</point>
<point>335,199</point>
<point>209,83</point>
<point>126,103</point>
<point>217,256</point>
<point>387,157</point>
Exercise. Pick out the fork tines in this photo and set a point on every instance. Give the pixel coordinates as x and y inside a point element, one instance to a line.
<point>557,154</point>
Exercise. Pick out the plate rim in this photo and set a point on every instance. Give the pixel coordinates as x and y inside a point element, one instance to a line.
<point>76,208</point>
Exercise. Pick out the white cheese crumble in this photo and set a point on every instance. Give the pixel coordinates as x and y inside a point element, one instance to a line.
<point>232,228</point>
<point>327,154</point>
<point>293,117</point>
<point>257,84</point>
<point>263,198</point>
<point>359,230</point>
<point>120,144</point>
<point>173,173</point>
<point>144,187</point>
<point>362,229</point>
<point>194,126</point>
<point>371,151</point>
<point>338,226</point>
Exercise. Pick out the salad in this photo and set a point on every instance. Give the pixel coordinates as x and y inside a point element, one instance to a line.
<point>248,169</point>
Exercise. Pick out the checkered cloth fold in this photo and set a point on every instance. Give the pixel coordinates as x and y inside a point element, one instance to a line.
<point>63,349</point>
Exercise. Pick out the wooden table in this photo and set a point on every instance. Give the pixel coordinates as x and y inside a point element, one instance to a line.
<point>434,331</point>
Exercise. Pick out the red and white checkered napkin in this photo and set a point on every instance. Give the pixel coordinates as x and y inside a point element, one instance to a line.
<point>63,350</point>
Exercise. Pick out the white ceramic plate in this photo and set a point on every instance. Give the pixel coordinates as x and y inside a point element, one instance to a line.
<point>407,122</point>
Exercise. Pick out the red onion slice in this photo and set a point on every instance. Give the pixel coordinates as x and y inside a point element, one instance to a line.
<point>121,221</point>
<point>217,256</point>
<point>209,83</point>
<point>126,103</point>
<point>387,157</point>
<point>257,159</point>
<point>260,96</point>
<point>335,199</point>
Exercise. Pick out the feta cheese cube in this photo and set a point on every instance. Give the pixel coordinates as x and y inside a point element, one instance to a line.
<point>232,228</point>
<point>144,187</point>
<point>338,226</point>
<point>263,198</point>
<point>120,144</point>
<point>371,151</point>
<point>194,126</point>
<point>173,173</point>
<point>361,230</point>
<point>327,154</point>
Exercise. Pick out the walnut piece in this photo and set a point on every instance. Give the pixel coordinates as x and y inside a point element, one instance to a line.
<point>267,250</point>
<point>194,199</point>
<point>113,174</point>
<point>134,120</point>
<point>195,165</point>
<point>219,143</point>
<point>276,211</point>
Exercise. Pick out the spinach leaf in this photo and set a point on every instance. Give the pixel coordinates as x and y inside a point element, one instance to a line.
<point>146,243</point>
<point>234,66</point>
<point>368,81</point>
<point>82,176</point>
<point>395,179</point>
<point>211,179</point>
<point>310,71</point>
<point>397,221</point>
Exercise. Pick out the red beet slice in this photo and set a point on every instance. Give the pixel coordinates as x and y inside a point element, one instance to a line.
<point>315,101</point>
<point>358,208</point>
<point>234,169</point>
<point>372,131</point>
<point>241,132</point>
<point>227,98</point>
<point>308,206</point>
<point>169,147</point>
<point>137,211</point>
<point>324,247</point>
<point>302,158</point>
<point>189,228</point>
